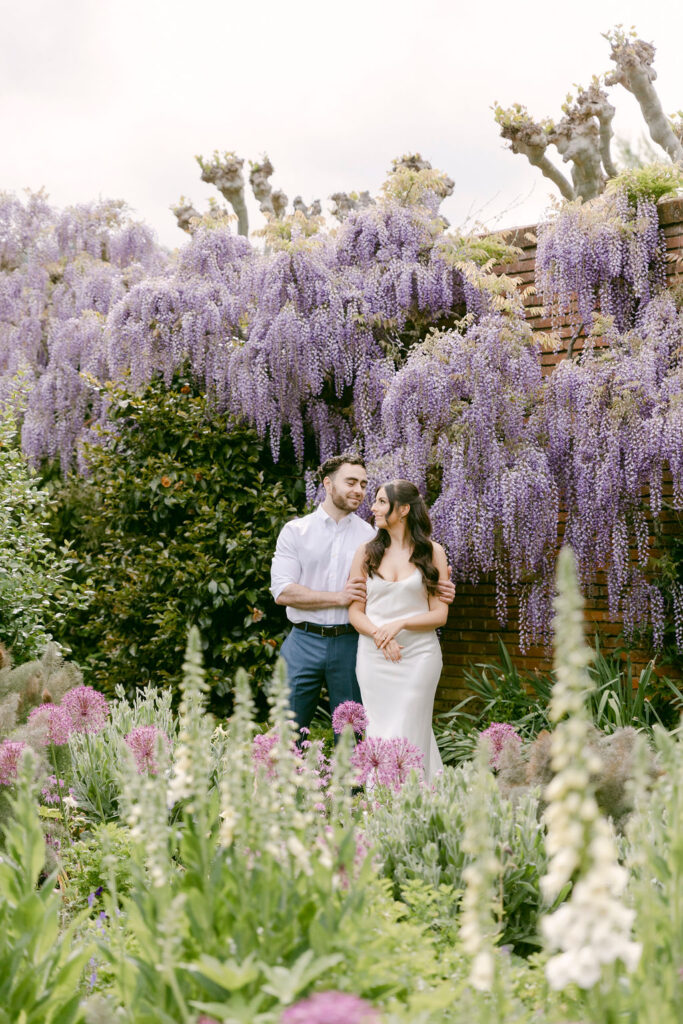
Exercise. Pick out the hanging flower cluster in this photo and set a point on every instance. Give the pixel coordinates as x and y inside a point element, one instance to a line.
<point>60,275</point>
<point>393,335</point>
<point>606,256</point>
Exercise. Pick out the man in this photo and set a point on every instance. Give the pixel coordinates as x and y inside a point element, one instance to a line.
<point>310,577</point>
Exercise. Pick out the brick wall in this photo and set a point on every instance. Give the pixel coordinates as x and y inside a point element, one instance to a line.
<point>472,629</point>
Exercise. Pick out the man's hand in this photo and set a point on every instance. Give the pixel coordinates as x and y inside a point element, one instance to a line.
<point>445,590</point>
<point>354,590</point>
<point>392,651</point>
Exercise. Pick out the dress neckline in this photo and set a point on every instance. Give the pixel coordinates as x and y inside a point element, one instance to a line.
<point>403,580</point>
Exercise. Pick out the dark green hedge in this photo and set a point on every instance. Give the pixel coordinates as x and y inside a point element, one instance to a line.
<point>175,526</point>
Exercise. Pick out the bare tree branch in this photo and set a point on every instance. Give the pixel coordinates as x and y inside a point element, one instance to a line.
<point>225,172</point>
<point>531,139</point>
<point>314,210</point>
<point>185,214</point>
<point>346,202</point>
<point>594,102</point>
<point>633,58</point>
<point>272,203</point>
<point>578,139</point>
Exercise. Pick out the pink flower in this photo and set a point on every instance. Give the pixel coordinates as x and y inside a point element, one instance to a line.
<point>261,749</point>
<point>331,1008</point>
<point>56,722</point>
<point>143,740</point>
<point>499,734</point>
<point>50,793</point>
<point>88,708</point>
<point>403,757</point>
<point>371,760</point>
<point>350,713</point>
<point>10,755</point>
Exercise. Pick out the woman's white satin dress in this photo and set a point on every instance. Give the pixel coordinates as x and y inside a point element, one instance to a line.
<point>398,697</point>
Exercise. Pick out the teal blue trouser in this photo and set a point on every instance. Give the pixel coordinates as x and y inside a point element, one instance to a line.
<point>313,660</point>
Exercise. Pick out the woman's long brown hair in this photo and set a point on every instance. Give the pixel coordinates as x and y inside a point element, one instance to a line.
<point>402,492</point>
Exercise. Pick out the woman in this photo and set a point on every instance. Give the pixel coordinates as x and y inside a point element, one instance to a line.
<point>399,657</point>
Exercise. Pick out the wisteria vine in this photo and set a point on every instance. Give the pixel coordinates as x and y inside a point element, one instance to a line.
<point>389,334</point>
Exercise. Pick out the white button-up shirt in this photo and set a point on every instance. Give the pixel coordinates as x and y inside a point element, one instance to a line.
<point>317,552</point>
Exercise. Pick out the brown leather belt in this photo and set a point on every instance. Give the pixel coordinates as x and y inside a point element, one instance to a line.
<point>314,627</point>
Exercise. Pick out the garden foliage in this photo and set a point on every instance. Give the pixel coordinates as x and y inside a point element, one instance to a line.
<point>393,334</point>
<point>31,572</point>
<point>174,526</point>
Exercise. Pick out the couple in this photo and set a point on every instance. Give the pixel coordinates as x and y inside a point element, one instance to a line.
<point>339,577</point>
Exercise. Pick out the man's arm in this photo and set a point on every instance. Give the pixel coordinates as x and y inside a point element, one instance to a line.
<point>297,596</point>
<point>445,590</point>
<point>286,571</point>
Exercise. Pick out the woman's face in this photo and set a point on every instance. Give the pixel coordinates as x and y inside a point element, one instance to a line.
<point>384,515</point>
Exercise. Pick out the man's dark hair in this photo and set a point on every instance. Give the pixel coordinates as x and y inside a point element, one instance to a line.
<point>330,466</point>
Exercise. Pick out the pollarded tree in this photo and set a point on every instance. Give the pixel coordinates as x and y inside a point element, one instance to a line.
<point>583,136</point>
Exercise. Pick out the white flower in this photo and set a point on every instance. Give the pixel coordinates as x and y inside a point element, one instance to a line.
<point>593,927</point>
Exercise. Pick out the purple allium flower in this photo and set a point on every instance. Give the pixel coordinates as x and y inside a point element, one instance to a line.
<point>350,713</point>
<point>56,721</point>
<point>143,740</point>
<point>10,755</point>
<point>331,1008</point>
<point>499,734</point>
<point>88,708</point>
<point>403,757</point>
<point>370,758</point>
<point>261,749</point>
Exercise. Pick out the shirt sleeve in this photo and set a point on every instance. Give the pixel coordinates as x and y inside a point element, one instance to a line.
<point>286,565</point>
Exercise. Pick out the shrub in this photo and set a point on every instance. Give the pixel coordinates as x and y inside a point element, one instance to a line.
<point>419,833</point>
<point>175,526</point>
<point>31,573</point>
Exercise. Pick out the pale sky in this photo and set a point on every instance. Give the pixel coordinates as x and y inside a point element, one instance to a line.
<point>113,98</point>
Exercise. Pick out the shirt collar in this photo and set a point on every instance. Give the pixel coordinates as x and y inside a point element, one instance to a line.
<point>326,518</point>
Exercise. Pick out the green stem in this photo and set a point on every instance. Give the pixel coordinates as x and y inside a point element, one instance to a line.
<point>53,755</point>
<point>94,775</point>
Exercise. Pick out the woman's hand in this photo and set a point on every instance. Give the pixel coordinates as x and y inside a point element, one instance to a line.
<point>384,634</point>
<point>392,651</point>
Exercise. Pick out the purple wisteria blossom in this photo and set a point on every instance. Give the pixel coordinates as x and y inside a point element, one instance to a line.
<point>331,1008</point>
<point>55,722</point>
<point>380,334</point>
<point>499,734</point>
<point>144,742</point>
<point>10,755</point>
<point>88,709</point>
<point>350,712</point>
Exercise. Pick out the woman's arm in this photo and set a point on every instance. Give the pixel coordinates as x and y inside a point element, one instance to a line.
<point>357,617</point>
<point>435,617</point>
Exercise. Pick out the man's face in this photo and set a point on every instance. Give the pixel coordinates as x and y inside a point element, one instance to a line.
<point>346,488</point>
